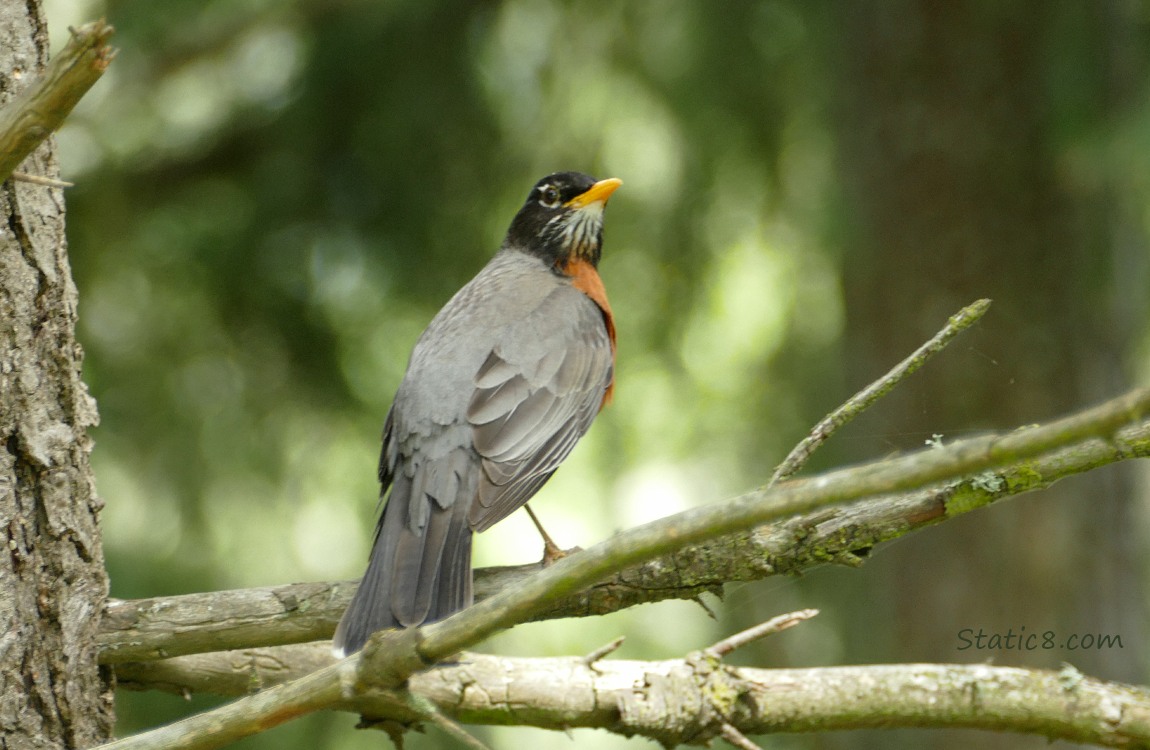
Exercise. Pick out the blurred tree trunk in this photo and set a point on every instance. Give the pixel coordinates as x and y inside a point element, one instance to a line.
<point>52,694</point>
<point>954,122</point>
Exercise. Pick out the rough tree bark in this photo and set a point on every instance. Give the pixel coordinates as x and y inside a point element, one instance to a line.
<point>52,581</point>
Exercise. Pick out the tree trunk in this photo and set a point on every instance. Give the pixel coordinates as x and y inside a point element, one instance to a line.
<point>52,581</point>
<point>955,135</point>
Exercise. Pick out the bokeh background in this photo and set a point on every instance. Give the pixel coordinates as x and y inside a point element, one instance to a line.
<point>274,196</point>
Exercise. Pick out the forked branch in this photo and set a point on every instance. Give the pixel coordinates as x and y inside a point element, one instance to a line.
<point>385,678</point>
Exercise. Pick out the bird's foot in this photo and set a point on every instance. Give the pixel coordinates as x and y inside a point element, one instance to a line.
<point>553,553</point>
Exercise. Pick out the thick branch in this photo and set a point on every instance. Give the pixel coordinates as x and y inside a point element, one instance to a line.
<point>157,628</point>
<point>632,697</point>
<point>41,108</point>
<point>148,629</point>
<point>543,591</point>
<point>391,657</point>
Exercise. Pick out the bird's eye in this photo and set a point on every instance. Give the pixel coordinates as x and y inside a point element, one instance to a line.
<point>549,196</point>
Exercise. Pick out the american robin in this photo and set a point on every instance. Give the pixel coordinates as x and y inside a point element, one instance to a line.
<point>502,384</point>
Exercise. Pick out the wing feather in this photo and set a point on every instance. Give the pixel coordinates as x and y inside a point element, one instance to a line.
<point>533,403</point>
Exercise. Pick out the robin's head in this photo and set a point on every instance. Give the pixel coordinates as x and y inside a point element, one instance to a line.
<point>562,219</point>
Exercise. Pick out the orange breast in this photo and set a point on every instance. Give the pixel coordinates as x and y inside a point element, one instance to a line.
<point>586,279</point>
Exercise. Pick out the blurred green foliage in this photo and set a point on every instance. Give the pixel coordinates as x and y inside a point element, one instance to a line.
<point>274,200</point>
<point>274,197</point>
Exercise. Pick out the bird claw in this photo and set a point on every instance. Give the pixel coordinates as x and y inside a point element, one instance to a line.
<point>552,553</point>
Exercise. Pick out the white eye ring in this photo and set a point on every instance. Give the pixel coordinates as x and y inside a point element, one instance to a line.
<point>549,196</point>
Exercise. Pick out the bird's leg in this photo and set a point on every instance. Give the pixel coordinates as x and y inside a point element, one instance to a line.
<point>551,550</point>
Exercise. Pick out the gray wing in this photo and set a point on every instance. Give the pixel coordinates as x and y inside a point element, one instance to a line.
<point>536,394</point>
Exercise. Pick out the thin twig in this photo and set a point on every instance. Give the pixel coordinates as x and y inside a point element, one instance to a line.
<point>457,732</point>
<point>431,712</point>
<point>705,607</point>
<point>40,108</point>
<point>604,650</point>
<point>737,738</point>
<point>858,403</point>
<point>36,179</point>
<point>762,630</point>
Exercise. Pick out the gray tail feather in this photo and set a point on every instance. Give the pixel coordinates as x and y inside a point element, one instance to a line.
<point>412,577</point>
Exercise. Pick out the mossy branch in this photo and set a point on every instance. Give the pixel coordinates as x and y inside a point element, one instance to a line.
<point>543,591</point>
<point>383,680</point>
<point>392,657</point>
<point>149,629</point>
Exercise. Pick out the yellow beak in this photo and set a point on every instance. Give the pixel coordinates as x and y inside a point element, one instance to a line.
<point>597,193</point>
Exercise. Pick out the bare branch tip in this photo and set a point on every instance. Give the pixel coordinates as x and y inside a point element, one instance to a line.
<point>456,731</point>
<point>762,630</point>
<point>859,402</point>
<point>737,738</point>
<point>604,650</point>
<point>93,36</point>
<point>104,58</point>
<point>97,31</point>
<point>979,308</point>
<point>710,612</point>
<point>971,313</point>
<point>36,179</point>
